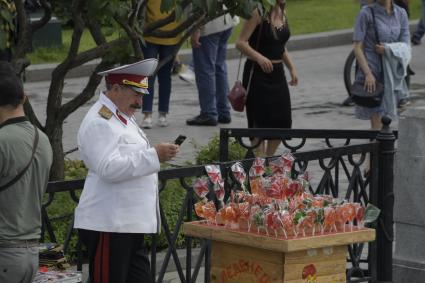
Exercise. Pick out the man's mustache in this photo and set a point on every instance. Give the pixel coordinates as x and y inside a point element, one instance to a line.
<point>136,106</point>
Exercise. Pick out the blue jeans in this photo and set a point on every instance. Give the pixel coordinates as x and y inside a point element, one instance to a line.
<point>211,74</point>
<point>420,29</point>
<point>158,51</point>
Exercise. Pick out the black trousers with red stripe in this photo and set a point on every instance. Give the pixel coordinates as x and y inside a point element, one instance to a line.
<point>116,257</point>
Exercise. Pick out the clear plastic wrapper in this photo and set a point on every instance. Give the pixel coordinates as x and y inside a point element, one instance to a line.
<point>214,173</point>
<point>288,161</point>
<point>201,188</point>
<point>239,173</point>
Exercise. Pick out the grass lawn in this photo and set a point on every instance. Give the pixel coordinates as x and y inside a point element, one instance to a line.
<point>304,16</point>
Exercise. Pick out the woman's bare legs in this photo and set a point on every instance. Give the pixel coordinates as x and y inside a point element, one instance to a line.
<point>375,122</point>
<point>272,146</point>
<point>260,150</point>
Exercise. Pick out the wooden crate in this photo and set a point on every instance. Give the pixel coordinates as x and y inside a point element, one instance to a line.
<point>243,257</point>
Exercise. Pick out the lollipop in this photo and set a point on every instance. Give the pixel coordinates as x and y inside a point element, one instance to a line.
<point>277,166</point>
<point>304,180</point>
<point>219,192</point>
<point>299,218</point>
<point>330,216</point>
<point>287,222</point>
<point>214,173</point>
<point>200,186</point>
<point>274,189</point>
<point>310,219</point>
<point>288,161</point>
<point>258,218</point>
<point>239,174</point>
<point>199,209</point>
<point>210,212</point>
<point>360,213</point>
<point>258,167</point>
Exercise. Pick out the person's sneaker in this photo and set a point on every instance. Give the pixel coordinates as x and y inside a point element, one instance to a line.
<point>348,102</point>
<point>415,41</point>
<point>188,76</point>
<point>224,119</point>
<point>402,103</point>
<point>162,120</point>
<point>201,120</point>
<point>147,123</point>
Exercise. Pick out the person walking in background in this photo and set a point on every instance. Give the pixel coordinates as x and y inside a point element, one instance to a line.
<point>159,48</point>
<point>25,160</point>
<point>392,27</point>
<point>209,46</point>
<point>420,29</point>
<point>120,202</point>
<point>268,104</point>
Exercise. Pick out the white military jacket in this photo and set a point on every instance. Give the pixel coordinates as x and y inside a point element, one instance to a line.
<point>121,189</point>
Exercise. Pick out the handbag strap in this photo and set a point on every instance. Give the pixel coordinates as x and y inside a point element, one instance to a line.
<point>377,37</point>
<point>256,49</point>
<point>374,25</point>
<point>17,177</point>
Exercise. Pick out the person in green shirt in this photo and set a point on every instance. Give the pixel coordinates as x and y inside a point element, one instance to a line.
<point>20,194</point>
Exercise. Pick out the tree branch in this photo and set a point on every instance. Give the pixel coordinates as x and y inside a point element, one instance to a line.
<point>29,112</point>
<point>23,35</point>
<point>47,15</point>
<point>96,52</point>
<point>95,30</point>
<point>88,92</point>
<point>134,37</point>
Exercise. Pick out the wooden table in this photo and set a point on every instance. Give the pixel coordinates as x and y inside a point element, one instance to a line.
<point>244,257</point>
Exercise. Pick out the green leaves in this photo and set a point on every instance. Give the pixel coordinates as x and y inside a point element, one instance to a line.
<point>371,213</point>
<point>268,4</point>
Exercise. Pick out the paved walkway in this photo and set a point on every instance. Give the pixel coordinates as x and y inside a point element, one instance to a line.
<point>315,102</point>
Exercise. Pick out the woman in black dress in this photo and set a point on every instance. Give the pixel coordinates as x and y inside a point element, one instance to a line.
<point>263,41</point>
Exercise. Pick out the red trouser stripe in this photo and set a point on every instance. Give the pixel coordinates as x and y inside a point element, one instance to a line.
<point>101,260</point>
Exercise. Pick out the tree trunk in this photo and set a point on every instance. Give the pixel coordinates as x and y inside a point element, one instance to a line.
<point>55,136</point>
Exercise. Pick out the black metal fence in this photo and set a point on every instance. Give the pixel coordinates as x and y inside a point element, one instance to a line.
<point>337,170</point>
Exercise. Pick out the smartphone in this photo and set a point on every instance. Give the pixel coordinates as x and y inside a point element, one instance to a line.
<point>180,139</point>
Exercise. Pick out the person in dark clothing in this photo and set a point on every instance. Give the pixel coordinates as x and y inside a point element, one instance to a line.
<point>268,103</point>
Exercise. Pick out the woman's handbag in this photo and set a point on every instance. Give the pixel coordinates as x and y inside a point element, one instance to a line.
<point>238,94</point>
<point>364,98</point>
<point>358,93</point>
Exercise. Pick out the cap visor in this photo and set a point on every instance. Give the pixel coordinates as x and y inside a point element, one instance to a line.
<point>140,90</point>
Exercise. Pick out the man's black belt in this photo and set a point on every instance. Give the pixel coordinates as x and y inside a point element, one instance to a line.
<point>19,243</point>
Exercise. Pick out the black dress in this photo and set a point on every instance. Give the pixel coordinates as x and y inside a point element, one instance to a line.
<point>268,104</point>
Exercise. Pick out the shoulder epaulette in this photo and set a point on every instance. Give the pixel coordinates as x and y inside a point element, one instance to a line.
<point>104,112</point>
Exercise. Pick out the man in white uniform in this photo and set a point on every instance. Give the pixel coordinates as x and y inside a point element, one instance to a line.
<point>119,203</point>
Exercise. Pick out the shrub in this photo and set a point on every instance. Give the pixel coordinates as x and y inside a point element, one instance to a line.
<point>210,153</point>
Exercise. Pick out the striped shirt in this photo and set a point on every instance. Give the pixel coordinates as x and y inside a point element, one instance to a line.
<point>6,25</point>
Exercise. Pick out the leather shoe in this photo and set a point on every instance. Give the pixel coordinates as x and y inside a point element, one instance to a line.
<point>201,120</point>
<point>348,102</point>
<point>224,119</point>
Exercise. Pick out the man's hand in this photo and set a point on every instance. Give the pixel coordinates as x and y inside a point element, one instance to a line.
<point>166,151</point>
<point>195,38</point>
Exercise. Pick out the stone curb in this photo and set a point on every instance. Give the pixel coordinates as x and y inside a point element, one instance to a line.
<point>43,72</point>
